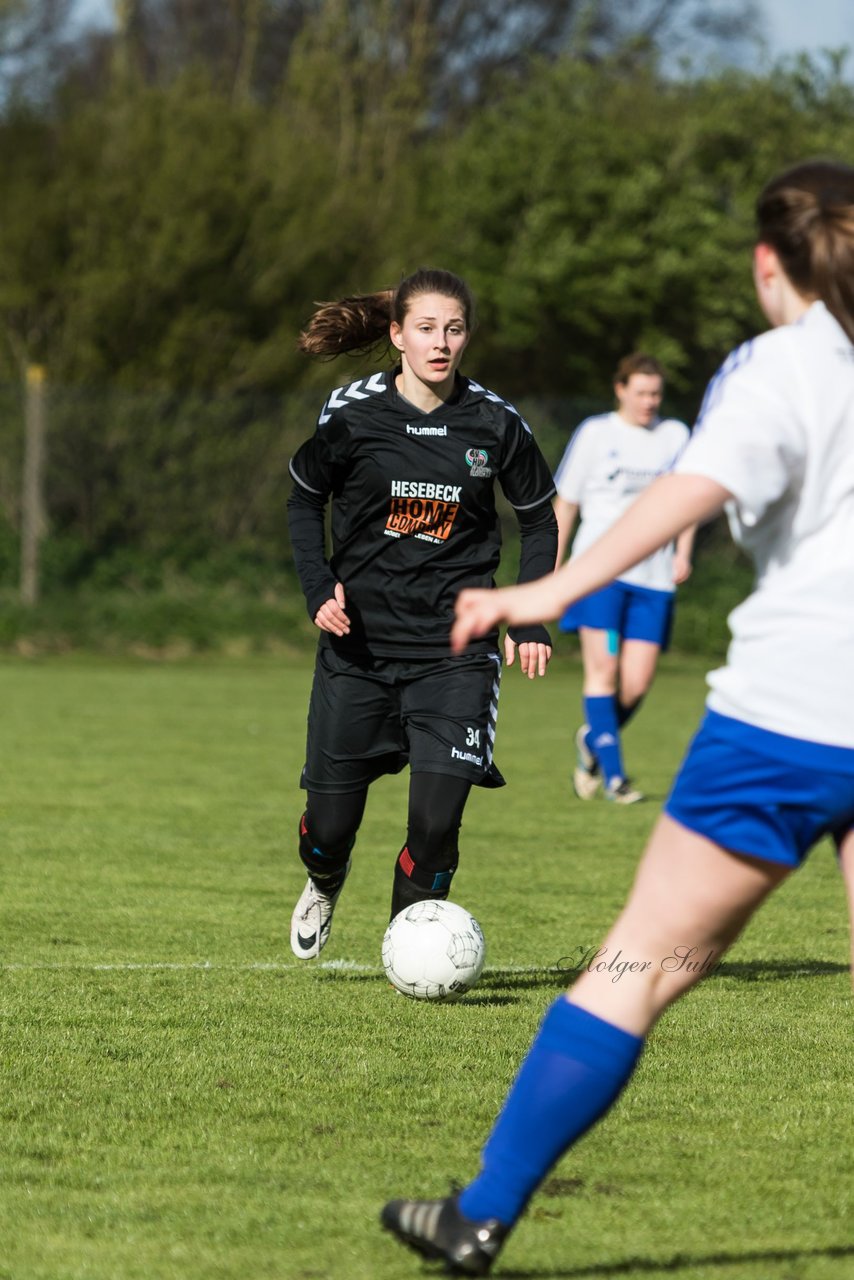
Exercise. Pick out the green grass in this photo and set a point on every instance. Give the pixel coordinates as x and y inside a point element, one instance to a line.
<point>181,1100</point>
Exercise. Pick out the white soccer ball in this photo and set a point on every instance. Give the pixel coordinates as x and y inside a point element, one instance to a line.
<point>433,950</point>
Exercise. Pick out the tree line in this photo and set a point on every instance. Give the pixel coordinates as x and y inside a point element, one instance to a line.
<point>180,189</point>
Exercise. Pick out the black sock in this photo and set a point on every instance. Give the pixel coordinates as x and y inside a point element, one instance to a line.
<point>412,884</point>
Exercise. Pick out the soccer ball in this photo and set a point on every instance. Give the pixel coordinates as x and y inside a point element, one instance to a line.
<point>433,950</point>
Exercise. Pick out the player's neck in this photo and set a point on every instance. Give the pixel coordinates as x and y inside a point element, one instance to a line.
<point>630,422</point>
<point>422,395</point>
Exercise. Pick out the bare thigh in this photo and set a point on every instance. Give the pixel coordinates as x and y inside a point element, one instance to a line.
<point>689,902</point>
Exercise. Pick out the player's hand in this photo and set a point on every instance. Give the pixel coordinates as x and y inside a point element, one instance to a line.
<point>533,658</point>
<point>480,609</point>
<point>681,569</point>
<point>331,616</point>
<point>477,610</point>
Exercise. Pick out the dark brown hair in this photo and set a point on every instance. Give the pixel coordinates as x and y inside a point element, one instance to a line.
<point>637,362</point>
<point>806,215</point>
<point>362,321</point>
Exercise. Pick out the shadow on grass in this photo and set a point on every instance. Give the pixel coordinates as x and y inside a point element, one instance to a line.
<point>561,975</point>
<point>771,970</point>
<point>494,988</point>
<point>528,980</point>
<point>683,1262</point>
<point>497,986</point>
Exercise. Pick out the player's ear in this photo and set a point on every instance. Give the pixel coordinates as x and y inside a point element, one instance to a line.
<point>396,334</point>
<point>767,279</point>
<point>765,262</point>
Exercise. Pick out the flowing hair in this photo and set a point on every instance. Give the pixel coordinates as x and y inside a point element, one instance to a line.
<point>361,322</point>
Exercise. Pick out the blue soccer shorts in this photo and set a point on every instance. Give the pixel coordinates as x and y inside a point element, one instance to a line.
<point>763,794</point>
<point>632,613</point>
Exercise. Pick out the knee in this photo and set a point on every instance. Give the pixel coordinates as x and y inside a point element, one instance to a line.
<point>600,676</point>
<point>330,833</point>
<point>433,842</point>
<point>637,671</point>
<point>634,687</point>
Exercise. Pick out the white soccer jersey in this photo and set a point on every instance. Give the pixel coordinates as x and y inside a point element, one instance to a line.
<point>604,467</point>
<point>777,430</point>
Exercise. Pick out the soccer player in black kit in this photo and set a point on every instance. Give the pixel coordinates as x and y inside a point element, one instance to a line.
<point>410,459</point>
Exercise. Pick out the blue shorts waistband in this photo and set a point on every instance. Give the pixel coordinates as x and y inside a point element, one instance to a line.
<point>779,746</point>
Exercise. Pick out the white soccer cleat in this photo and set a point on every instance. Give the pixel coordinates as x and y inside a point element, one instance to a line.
<point>311,922</point>
<point>621,791</point>
<point>586,778</point>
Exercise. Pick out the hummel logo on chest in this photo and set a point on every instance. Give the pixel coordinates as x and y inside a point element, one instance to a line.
<point>425,431</point>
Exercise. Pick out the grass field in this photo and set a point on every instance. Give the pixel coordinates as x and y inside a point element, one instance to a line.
<point>181,1100</point>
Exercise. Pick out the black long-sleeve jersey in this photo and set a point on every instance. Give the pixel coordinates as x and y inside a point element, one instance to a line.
<point>413,511</point>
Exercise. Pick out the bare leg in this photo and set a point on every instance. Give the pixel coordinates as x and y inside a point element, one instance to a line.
<point>601,666</point>
<point>638,663</point>
<point>689,902</point>
<point>599,753</point>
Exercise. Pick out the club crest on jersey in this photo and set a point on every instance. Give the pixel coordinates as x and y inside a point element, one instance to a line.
<point>476,460</point>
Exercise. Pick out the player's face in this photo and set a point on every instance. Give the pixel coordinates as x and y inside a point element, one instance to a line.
<point>639,398</point>
<point>431,340</point>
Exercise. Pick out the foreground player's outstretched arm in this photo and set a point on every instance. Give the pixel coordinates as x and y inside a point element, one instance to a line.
<point>669,505</point>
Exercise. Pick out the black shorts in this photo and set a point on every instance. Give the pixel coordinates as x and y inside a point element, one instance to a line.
<point>371,716</point>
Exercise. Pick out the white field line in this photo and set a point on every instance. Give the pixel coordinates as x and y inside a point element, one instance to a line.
<point>347,966</point>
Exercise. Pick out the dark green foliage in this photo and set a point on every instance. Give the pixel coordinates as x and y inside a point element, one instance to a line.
<point>599,212</point>
<point>166,232</point>
<point>175,237</point>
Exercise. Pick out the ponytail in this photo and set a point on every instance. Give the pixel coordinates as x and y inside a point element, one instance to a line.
<point>806,214</point>
<point>353,324</point>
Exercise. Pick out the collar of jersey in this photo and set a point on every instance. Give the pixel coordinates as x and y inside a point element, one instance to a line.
<point>463,394</point>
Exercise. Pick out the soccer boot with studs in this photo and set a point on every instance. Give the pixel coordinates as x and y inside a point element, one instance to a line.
<point>438,1230</point>
<point>586,777</point>
<point>311,921</point>
<point>621,791</point>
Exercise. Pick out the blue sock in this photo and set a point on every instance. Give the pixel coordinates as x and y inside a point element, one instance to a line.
<point>604,736</point>
<point>574,1071</point>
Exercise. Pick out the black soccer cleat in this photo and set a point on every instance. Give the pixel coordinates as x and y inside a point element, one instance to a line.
<point>437,1229</point>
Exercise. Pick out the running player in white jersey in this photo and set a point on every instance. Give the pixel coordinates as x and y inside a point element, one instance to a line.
<point>771,769</point>
<point>624,627</point>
